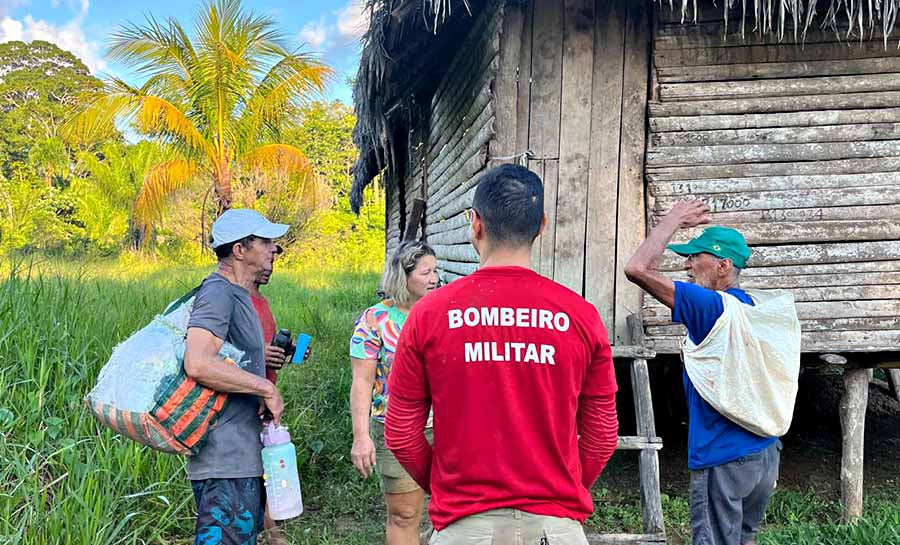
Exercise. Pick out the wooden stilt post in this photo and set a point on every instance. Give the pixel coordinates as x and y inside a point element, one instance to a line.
<point>893,378</point>
<point>853,425</point>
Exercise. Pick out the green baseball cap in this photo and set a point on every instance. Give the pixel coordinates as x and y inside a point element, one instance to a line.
<point>722,242</point>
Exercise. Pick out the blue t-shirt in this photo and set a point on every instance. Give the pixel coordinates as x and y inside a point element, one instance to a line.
<point>712,439</point>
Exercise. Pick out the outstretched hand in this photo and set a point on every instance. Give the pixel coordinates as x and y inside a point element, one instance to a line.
<point>689,214</point>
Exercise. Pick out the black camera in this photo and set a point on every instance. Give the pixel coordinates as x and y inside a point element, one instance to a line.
<point>283,341</point>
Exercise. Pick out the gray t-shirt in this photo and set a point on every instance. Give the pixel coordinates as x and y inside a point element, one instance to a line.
<point>232,448</point>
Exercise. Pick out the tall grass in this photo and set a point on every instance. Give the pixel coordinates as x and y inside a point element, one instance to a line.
<point>66,480</point>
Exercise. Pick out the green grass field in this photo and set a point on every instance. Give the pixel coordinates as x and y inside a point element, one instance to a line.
<point>66,480</point>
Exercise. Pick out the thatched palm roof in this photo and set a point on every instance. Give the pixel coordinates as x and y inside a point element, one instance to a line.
<point>409,42</point>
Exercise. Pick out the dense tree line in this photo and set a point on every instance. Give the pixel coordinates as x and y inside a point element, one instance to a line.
<point>76,188</point>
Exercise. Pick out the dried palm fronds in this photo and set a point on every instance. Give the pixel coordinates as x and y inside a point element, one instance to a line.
<point>777,16</point>
<point>395,22</point>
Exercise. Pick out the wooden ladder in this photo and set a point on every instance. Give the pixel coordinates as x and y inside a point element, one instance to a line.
<point>648,443</point>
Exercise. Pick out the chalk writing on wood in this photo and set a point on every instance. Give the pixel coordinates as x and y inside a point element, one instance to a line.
<point>725,203</point>
<point>805,214</point>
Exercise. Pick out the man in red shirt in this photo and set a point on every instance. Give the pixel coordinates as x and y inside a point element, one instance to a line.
<point>274,361</point>
<point>274,354</point>
<point>519,372</point>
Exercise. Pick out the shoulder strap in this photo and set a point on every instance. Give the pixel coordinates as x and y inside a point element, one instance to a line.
<point>180,301</point>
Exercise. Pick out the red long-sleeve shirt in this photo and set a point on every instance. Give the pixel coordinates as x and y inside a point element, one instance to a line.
<point>519,372</point>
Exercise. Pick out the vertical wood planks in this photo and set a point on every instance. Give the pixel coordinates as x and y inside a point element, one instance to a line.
<point>505,89</point>
<point>631,224</point>
<point>602,190</point>
<point>574,142</point>
<point>546,90</point>
<point>523,103</point>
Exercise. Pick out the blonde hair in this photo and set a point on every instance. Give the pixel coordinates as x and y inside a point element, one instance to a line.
<point>398,268</point>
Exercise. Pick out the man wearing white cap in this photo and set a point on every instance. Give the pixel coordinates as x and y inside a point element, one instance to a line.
<point>226,475</point>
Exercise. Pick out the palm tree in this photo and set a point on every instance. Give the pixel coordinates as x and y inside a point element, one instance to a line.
<point>220,98</point>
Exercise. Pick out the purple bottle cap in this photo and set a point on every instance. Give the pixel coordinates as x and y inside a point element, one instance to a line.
<point>272,435</point>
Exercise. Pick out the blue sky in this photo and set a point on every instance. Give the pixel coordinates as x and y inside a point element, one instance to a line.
<point>329,27</point>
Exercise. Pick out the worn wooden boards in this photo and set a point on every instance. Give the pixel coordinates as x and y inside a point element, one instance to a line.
<point>462,121</point>
<point>797,147</point>
<point>577,105</point>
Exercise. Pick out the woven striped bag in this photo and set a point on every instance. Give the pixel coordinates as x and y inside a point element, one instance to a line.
<point>144,394</point>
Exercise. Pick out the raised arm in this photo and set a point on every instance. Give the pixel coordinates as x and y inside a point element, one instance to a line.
<point>643,267</point>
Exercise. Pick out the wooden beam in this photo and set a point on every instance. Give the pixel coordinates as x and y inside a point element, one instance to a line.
<point>625,539</point>
<point>884,99</point>
<point>627,442</point>
<point>632,352</point>
<point>773,70</point>
<point>414,220</point>
<point>725,186</point>
<point>773,120</point>
<point>853,425</point>
<point>893,376</point>
<point>795,168</point>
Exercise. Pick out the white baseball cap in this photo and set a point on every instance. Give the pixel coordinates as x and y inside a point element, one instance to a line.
<point>235,224</point>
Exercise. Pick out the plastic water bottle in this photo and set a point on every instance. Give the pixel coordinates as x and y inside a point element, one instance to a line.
<point>279,460</point>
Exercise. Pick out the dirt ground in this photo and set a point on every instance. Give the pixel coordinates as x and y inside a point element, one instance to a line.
<point>812,448</point>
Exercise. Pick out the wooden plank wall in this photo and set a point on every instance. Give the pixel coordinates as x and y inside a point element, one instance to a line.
<point>572,91</point>
<point>462,122</point>
<point>799,148</point>
<point>392,221</point>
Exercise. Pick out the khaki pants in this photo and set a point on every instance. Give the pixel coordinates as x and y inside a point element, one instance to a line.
<point>394,479</point>
<point>511,527</point>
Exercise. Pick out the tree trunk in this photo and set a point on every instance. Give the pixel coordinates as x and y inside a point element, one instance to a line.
<point>223,187</point>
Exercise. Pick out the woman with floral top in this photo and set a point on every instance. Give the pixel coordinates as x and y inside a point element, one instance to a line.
<point>410,273</point>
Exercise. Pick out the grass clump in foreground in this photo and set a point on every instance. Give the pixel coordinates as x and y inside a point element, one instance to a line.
<point>66,480</point>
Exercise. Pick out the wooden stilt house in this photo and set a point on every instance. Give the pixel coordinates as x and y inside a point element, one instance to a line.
<point>784,118</point>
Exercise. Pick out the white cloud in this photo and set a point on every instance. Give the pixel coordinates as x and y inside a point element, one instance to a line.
<point>10,30</point>
<point>352,20</point>
<point>314,34</point>
<point>68,36</point>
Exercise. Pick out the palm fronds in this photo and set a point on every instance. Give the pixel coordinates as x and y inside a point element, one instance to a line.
<point>218,95</point>
<point>160,182</point>
<point>277,157</point>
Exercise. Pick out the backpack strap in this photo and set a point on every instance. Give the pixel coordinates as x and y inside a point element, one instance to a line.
<point>180,301</point>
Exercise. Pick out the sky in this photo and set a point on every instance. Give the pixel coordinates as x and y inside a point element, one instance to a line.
<point>330,28</point>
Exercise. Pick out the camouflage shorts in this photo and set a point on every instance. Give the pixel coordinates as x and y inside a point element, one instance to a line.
<point>229,511</point>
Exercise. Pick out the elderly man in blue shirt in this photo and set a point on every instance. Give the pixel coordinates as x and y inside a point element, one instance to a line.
<point>733,470</point>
